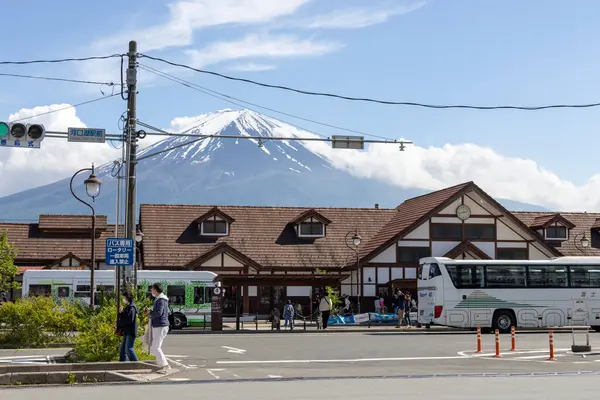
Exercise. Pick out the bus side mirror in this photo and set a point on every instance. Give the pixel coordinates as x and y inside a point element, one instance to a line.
<point>464,296</point>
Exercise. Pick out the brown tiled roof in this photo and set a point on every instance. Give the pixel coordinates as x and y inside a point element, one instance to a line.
<point>583,223</point>
<point>546,220</point>
<point>596,224</point>
<point>467,247</point>
<point>310,213</point>
<point>263,234</point>
<point>34,245</point>
<point>212,212</point>
<point>51,222</point>
<point>410,214</point>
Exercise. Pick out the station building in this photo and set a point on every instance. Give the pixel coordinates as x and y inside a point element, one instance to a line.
<point>266,255</point>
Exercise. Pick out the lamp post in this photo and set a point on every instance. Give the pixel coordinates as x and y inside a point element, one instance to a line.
<point>584,242</point>
<point>139,236</point>
<point>352,243</point>
<point>92,188</point>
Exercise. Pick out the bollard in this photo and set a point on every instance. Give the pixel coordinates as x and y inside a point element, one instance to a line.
<point>256,321</point>
<point>479,344</point>
<point>551,344</point>
<point>513,339</point>
<point>497,344</point>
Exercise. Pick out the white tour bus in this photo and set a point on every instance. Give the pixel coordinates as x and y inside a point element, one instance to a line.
<point>498,294</point>
<point>189,292</point>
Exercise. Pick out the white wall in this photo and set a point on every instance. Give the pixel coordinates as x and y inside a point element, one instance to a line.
<point>383,275</point>
<point>298,291</point>
<point>488,248</point>
<point>421,232</point>
<point>536,254</point>
<point>451,209</point>
<point>504,232</point>
<point>386,256</point>
<point>439,249</point>
<point>473,201</point>
<point>213,262</point>
<point>231,262</point>
<point>413,243</point>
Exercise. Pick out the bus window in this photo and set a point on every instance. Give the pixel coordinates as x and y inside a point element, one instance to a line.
<point>422,274</point>
<point>470,276</point>
<point>503,276</point>
<point>176,294</point>
<point>585,276</point>
<point>434,271</point>
<point>40,290</point>
<point>82,290</point>
<point>63,291</point>
<point>200,295</point>
<point>548,276</point>
<point>105,288</point>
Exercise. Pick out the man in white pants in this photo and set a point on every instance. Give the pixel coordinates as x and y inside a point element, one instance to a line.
<point>159,317</point>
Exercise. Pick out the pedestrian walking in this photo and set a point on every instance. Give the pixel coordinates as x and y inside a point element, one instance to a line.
<point>288,315</point>
<point>325,306</point>
<point>127,325</point>
<point>159,316</point>
<point>407,304</point>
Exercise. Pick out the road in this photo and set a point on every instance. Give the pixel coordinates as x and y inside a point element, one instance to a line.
<point>523,388</point>
<point>210,358</point>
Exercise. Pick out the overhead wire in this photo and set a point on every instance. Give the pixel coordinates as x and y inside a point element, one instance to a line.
<point>50,78</point>
<point>366,99</point>
<point>234,100</point>
<point>60,60</point>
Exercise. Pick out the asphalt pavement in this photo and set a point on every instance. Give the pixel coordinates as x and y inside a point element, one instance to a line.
<point>464,388</point>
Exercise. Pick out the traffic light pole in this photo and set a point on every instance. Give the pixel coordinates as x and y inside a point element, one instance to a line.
<point>131,143</point>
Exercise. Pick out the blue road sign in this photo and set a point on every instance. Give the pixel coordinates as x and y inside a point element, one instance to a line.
<point>87,135</point>
<point>119,252</point>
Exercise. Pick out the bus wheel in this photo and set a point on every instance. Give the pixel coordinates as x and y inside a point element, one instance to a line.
<point>179,321</point>
<point>503,320</point>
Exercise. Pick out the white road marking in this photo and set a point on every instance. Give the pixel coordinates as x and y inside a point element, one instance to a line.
<point>212,372</point>
<point>354,360</point>
<point>180,364</point>
<point>274,376</point>
<point>175,356</point>
<point>179,379</point>
<point>234,350</point>
<point>470,353</point>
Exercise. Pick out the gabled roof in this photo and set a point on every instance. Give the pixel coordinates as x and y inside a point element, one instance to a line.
<point>68,255</point>
<point>583,222</point>
<point>311,213</point>
<point>263,234</point>
<point>544,221</point>
<point>411,214</point>
<point>467,247</point>
<point>215,211</point>
<point>219,249</point>
<point>596,224</point>
<point>414,212</point>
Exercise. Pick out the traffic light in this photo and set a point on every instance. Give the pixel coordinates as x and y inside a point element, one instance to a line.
<point>17,134</point>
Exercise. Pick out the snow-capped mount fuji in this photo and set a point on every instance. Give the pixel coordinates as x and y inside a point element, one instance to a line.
<point>219,170</point>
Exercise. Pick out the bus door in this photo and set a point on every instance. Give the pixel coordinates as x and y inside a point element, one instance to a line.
<point>425,298</point>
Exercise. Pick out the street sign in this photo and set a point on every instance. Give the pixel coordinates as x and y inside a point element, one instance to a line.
<point>23,143</point>
<point>87,135</point>
<point>348,142</point>
<point>119,252</point>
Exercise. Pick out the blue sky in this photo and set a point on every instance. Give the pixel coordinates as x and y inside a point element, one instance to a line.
<point>437,51</point>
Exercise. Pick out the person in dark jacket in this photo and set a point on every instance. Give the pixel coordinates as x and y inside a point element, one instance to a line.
<point>128,326</point>
<point>159,317</point>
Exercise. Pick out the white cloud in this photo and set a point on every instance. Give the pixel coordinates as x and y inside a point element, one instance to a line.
<point>434,168</point>
<point>356,18</point>
<point>22,169</point>
<point>260,45</point>
<point>252,67</point>
<point>185,17</point>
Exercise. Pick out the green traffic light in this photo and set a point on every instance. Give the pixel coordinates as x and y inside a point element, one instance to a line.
<point>3,129</point>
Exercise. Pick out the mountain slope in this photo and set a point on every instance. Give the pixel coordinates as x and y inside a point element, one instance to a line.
<point>225,171</point>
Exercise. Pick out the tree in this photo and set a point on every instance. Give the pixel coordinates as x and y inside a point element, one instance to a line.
<point>333,294</point>
<point>8,270</point>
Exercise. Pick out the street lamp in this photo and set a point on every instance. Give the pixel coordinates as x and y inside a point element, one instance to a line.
<point>584,242</point>
<point>352,243</point>
<point>139,236</point>
<point>92,189</point>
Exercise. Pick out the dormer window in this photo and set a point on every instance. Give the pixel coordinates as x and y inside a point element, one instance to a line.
<point>214,226</point>
<point>556,232</point>
<point>311,227</point>
<point>214,223</point>
<point>311,224</point>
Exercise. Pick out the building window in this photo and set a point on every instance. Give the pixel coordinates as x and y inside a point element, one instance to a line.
<point>214,227</point>
<point>511,254</point>
<point>412,254</point>
<point>557,233</point>
<point>446,232</point>
<point>311,228</point>
<point>480,232</point>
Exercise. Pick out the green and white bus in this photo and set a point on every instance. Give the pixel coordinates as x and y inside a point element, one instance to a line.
<point>189,292</point>
<point>499,294</point>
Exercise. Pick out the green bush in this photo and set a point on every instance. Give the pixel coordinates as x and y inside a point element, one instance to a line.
<point>37,322</point>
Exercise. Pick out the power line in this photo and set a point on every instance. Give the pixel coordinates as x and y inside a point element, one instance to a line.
<point>232,100</point>
<point>170,148</point>
<point>59,60</point>
<point>67,107</point>
<point>366,99</point>
<point>48,78</point>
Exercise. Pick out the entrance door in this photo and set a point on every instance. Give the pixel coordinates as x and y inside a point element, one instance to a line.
<point>229,295</point>
<point>270,297</point>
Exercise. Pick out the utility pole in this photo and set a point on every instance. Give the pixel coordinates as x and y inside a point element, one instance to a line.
<point>131,150</point>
